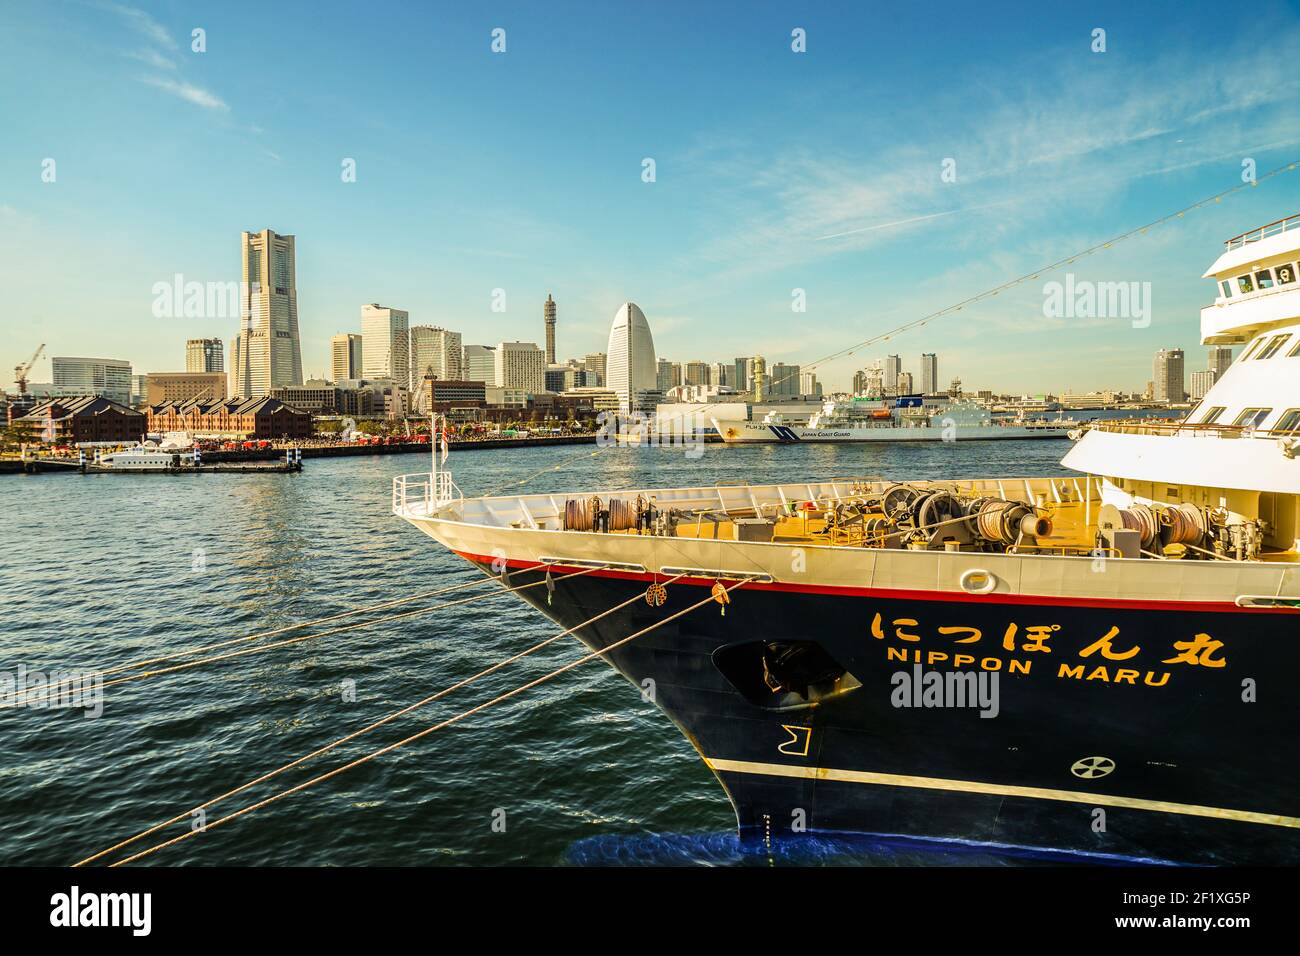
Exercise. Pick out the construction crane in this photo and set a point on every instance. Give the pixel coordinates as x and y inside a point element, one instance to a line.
<point>20,371</point>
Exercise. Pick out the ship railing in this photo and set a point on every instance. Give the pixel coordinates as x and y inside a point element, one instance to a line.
<point>424,494</point>
<point>1263,232</point>
<point>1282,225</point>
<point>1145,427</point>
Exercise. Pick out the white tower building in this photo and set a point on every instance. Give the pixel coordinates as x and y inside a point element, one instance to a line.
<point>631,371</point>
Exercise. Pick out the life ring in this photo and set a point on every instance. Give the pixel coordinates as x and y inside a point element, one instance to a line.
<point>971,575</point>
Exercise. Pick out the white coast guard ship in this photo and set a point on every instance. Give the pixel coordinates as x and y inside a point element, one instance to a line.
<point>906,418</point>
<point>1141,615</point>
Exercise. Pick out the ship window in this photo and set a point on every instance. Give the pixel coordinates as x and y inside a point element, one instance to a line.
<point>1253,345</point>
<point>1252,417</point>
<point>1289,422</point>
<point>1244,283</point>
<point>1264,279</point>
<point>1213,414</point>
<point>1285,273</point>
<point>1275,343</point>
<point>1227,288</point>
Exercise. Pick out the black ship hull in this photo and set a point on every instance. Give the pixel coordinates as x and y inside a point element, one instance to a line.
<point>1113,731</point>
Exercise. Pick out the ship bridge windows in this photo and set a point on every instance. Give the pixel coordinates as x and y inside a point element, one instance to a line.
<point>1264,279</point>
<point>1289,422</point>
<point>1227,288</point>
<point>1285,273</point>
<point>1252,417</point>
<point>1275,343</point>
<point>1245,283</point>
<point>1213,414</point>
<point>1249,351</point>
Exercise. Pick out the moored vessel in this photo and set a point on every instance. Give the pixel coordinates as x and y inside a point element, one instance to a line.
<point>1129,633</point>
<point>906,418</point>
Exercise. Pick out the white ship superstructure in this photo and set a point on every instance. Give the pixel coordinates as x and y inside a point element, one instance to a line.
<point>1236,451</point>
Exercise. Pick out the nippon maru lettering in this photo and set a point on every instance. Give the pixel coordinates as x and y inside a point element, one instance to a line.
<point>1143,615</point>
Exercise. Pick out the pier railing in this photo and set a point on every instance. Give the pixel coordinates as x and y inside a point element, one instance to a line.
<point>423,494</point>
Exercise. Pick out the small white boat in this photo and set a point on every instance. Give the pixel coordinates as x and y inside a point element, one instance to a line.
<point>145,458</point>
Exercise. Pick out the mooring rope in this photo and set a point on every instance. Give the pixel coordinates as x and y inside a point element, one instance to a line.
<point>369,727</point>
<point>477,582</point>
<point>187,665</point>
<point>428,730</point>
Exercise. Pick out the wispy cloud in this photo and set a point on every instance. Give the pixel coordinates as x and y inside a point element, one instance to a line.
<point>153,58</point>
<point>141,22</point>
<point>188,92</point>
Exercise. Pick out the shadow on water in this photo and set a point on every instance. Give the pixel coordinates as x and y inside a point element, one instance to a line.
<point>828,849</point>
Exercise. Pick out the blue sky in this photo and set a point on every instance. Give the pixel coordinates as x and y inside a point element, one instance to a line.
<point>523,171</point>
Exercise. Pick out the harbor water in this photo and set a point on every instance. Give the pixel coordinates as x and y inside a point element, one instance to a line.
<point>101,570</point>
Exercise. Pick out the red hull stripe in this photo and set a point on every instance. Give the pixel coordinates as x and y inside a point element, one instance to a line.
<point>956,597</point>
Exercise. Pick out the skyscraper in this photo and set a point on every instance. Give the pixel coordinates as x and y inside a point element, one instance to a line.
<point>596,363</point>
<point>435,352</point>
<point>480,364</point>
<point>1169,384</point>
<point>741,380</point>
<point>784,380</point>
<point>520,365</point>
<point>893,368</point>
<point>385,343</point>
<point>929,373</point>
<point>548,316</point>
<point>663,375</point>
<point>204,355</point>
<point>1202,381</point>
<point>632,370</point>
<point>267,353</point>
<point>1220,358</point>
<point>697,373</point>
<point>345,356</point>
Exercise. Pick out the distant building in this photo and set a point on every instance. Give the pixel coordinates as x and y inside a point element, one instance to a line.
<point>385,343</point>
<point>756,376</point>
<point>929,373</point>
<point>1169,382</point>
<point>740,382</point>
<point>520,365</point>
<point>722,374</point>
<point>785,380</point>
<point>632,369</point>
<point>480,364</point>
<point>892,370</point>
<point>1202,381</point>
<point>548,318</point>
<point>697,373</point>
<point>904,383</point>
<point>437,352</point>
<point>204,355</point>
<point>596,362</point>
<point>162,387</point>
<point>240,418</point>
<point>602,399</point>
<point>562,378</point>
<point>345,356</point>
<point>86,418</point>
<point>267,353</point>
<point>110,378</point>
<point>808,384</point>
<point>664,375</point>
<point>1220,357</point>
